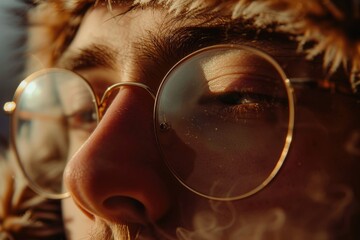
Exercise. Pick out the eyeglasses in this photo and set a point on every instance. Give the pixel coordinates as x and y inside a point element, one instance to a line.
<point>223,121</point>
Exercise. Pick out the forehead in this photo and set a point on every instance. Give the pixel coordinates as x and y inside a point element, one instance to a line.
<point>116,26</point>
<point>152,36</point>
<point>128,23</point>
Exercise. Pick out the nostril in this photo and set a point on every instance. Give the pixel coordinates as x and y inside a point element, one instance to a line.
<point>125,208</point>
<point>120,201</point>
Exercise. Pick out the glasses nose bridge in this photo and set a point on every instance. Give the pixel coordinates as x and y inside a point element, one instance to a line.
<point>104,100</point>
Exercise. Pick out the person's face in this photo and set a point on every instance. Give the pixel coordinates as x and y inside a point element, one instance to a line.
<point>118,179</point>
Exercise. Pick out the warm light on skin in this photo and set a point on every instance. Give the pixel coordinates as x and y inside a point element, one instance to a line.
<point>120,161</point>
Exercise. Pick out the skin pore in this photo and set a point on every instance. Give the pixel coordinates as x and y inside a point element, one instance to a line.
<point>120,186</point>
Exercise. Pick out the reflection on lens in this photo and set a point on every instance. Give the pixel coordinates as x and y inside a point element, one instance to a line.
<point>55,113</point>
<point>227,110</point>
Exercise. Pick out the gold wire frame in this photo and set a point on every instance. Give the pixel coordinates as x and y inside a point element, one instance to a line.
<point>13,128</point>
<point>10,108</point>
<point>289,135</point>
<point>101,105</point>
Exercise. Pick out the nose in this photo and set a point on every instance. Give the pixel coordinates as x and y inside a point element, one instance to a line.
<point>117,174</point>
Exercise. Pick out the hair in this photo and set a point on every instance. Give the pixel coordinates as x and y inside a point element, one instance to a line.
<point>326,28</point>
<point>24,214</point>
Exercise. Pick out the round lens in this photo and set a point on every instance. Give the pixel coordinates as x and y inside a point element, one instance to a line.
<point>55,113</point>
<point>223,120</point>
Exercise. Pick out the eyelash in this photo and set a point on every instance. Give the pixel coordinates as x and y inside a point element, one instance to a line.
<point>240,106</point>
<point>84,119</point>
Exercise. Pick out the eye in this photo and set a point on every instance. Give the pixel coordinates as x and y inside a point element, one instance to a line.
<point>84,119</point>
<point>235,106</point>
<point>237,98</point>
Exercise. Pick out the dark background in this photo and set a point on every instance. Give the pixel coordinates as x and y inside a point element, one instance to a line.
<point>13,22</point>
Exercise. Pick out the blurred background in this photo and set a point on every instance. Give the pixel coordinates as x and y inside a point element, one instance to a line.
<point>12,52</point>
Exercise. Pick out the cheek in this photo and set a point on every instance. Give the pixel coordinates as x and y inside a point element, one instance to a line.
<point>317,188</point>
<point>77,225</point>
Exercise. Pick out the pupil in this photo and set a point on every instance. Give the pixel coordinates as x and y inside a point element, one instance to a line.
<point>232,98</point>
<point>88,116</point>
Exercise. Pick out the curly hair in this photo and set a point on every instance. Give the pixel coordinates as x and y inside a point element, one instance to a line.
<point>331,27</point>
<point>24,214</point>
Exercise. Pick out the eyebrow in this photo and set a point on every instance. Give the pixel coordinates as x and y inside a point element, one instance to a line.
<point>164,47</point>
<point>170,42</point>
<point>96,55</point>
<point>177,42</point>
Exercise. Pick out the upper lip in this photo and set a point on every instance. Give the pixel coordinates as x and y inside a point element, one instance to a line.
<point>141,232</point>
<point>137,224</point>
<point>139,227</point>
